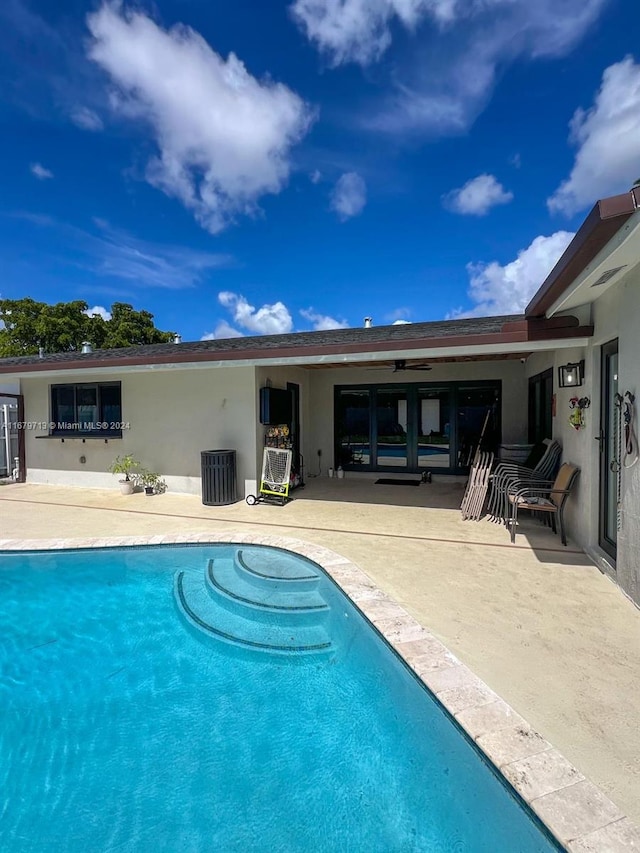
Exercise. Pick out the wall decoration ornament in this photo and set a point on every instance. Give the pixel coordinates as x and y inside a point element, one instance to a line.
<point>576,415</point>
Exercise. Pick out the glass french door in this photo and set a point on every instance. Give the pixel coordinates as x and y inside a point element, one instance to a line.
<point>609,439</point>
<point>434,428</point>
<point>415,426</point>
<point>391,420</point>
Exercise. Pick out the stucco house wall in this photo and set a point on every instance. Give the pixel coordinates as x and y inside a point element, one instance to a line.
<point>616,314</point>
<point>576,445</point>
<point>620,315</point>
<point>173,416</point>
<point>278,377</point>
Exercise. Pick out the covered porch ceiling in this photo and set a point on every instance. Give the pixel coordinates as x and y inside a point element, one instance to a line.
<point>404,364</point>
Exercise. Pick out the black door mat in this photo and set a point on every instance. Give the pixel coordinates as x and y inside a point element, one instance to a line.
<point>389,481</point>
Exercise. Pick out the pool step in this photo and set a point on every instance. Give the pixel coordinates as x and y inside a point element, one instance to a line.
<point>278,566</point>
<point>222,579</point>
<point>273,634</point>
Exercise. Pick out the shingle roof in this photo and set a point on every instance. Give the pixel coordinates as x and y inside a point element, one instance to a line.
<point>235,347</point>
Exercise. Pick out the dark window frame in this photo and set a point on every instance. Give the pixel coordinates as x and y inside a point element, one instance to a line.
<point>453,387</point>
<point>606,542</point>
<point>107,431</point>
<point>540,408</point>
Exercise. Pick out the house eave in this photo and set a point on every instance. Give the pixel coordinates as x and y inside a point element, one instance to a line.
<point>604,221</point>
<point>517,337</point>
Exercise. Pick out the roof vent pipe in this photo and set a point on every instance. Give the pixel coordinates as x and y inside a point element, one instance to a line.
<point>368,322</point>
<point>177,339</point>
<point>86,347</point>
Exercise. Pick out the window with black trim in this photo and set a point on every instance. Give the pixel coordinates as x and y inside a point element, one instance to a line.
<point>87,409</point>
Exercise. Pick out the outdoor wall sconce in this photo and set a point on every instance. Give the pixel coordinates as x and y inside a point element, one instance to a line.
<point>571,375</point>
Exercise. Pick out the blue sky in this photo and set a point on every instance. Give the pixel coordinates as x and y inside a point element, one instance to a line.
<point>247,167</point>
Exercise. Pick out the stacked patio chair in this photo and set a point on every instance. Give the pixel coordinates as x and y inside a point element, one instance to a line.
<point>477,485</point>
<point>507,475</point>
<point>547,499</point>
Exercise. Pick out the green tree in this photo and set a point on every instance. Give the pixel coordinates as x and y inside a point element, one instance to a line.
<point>26,325</point>
<point>128,327</point>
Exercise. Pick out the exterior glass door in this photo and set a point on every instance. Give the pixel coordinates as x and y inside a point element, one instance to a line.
<point>391,428</point>
<point>434,428</point>
<point>353,428</point>
<point>609,450</point>
<point>478,421</point>
<point>415,427</point>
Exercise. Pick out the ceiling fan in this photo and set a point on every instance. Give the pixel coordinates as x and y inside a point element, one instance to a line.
<point>401,364</point>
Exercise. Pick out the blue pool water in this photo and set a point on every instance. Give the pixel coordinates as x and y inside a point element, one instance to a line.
<point>223,698</point>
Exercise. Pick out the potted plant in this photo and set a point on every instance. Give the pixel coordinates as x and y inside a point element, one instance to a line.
<point>152,482</point>
<point>127,465</point>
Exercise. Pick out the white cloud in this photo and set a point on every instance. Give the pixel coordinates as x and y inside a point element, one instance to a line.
<point>86,119</point>
<point>349,196</point>
<point>273,319</point>
<point>98,311</point>
<point>497,289</point>
<point>401,323</point>
<point>223,136</point>
<point>607,137</point>
<point>402,313</point>
<point>316,176</point>
<point>359,30</point>
<point>322,322</point>
<point>477,196</point>
<point>449,63</point>
<point>223,331</point>
<point>39,171</point>
<point>112,253</point>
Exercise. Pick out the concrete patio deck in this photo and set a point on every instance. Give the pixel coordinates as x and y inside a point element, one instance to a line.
<point>536,621</point>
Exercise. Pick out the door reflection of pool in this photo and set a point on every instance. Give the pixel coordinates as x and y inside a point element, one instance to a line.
<point>429,455</point>
<point>415,426</point>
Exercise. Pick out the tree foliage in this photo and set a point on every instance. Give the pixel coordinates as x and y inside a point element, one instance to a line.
<point>26,325</point>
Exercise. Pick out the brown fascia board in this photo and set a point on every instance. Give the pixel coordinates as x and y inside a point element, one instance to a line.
<point>604,221</point>
<point>520,331</point>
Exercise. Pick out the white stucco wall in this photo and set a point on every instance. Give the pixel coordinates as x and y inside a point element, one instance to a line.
<point>616,314</point>
<point>511,372</point>
<point>278,377</point>
<point>173,416</point>
<point>578,447</point>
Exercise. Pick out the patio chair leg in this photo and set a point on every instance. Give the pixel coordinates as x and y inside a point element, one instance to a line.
<point>514,522</point>
<point>563,535</point>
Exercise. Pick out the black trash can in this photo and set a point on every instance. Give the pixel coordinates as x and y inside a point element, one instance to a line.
<point>219,477</point>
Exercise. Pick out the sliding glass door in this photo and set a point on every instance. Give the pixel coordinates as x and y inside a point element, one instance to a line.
<point>415,427</point>
<point>434,428</point>
<point>391,445</point>
<point>353,428</point>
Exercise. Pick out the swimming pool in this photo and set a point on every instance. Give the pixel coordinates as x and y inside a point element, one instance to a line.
<point>223,698</point>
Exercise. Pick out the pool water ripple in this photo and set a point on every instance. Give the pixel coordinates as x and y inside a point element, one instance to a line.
<point>123,730</point>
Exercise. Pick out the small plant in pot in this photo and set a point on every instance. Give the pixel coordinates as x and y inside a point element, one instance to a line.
<point>152,482</point>
<point>129,466</point>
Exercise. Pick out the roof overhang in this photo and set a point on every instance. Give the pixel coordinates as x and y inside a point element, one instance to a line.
<point>608,219</point>
<point>520,336</point>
